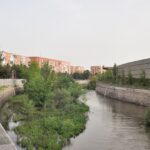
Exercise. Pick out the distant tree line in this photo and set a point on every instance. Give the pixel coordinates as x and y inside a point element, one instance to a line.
<point>7,71</point>
<point>112,76</point>
<point>81,76</point>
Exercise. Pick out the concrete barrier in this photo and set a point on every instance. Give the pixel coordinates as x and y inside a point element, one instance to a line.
<point>136,96</point>
<point>5,141</point>
<point>5,93</point>
<point>12,82</point>
<point>82,82</point>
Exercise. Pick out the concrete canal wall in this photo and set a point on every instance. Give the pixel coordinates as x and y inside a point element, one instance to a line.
<point>8,88</point>
<point>5,141</point>
<point>12,82</point>
<point>136,96</point>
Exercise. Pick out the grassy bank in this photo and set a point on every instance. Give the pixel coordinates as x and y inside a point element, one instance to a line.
<point>48,129</point>
<point>49,110</point>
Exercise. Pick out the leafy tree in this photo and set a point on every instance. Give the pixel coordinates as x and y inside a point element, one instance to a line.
<point>143,78</point>
<point>1,58</point>
<point>34,70</point>
<point>130,78</point>
<point>38,90</point>
<point>63,81</point>
<point>77,75</point>
<point>75,90</point>
<point>81,76</point>
<point>115,73</point>
<point>5,71</point>
<point>46,71</point>
<point>21,71</point>
<point>60,98</point>
<point>147,117</point>
<point>86,74</point>
<point>92,83</point>
<point>39,86</point>
<point>123,77</point>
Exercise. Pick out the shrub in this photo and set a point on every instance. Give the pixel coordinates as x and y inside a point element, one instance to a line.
<point>147,118</point>
<point>115,73</point>
<point>92,83</point>
<point>143,78</point>
<point>123,79</point>
<point>130,78</point>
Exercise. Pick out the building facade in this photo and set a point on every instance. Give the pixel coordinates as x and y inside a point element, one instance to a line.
<point>57,65</point>
<point>97,69</point>
<point>14,59</point>
<point>77,69</point>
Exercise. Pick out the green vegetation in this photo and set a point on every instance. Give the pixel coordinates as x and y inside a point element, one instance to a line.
<point>147,118</point>
<point>81,76</point>
<point>49,110</point>
<point>143,80</point>
<point>92,83</point>
<point>115,73</point>
<point>20,71</point>
<point>112,77</point>
<point>2,87</point>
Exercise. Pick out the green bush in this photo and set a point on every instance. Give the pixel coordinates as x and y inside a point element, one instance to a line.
<point>92,83</point>
<point>130,78</point>
<point>63,115</point>
<point>143,80</point>
<point>147,118</point>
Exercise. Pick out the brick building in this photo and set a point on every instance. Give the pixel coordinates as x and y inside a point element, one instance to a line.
<point>97,69</point>
<point>14,59</point>
<point>77,69</point>
<point>57,65</point>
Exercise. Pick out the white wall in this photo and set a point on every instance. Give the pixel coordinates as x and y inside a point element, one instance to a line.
<point>12,82</point>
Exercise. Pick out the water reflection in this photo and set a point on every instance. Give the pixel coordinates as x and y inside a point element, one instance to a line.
<point>112,125</point>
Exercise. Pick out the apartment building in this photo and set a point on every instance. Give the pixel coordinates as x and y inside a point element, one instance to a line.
<point>14,59</point>
<point>97,69</point>
<point>77,69</point>
<point>57,65</point>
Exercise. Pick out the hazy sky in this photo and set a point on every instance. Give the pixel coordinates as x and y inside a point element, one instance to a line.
<point>85,32</point>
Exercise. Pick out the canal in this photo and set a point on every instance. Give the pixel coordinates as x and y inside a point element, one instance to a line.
<point>112,125</point>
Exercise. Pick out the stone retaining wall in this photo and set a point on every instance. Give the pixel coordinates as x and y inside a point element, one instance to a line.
<point>136,96</point>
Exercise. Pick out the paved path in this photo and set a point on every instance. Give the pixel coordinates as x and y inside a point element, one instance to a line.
<point>5,141</point>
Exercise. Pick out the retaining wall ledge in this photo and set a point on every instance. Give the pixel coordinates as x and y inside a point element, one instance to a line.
<point>136,96</point>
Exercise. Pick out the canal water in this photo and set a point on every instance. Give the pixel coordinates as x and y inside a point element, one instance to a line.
<point>112,125</point>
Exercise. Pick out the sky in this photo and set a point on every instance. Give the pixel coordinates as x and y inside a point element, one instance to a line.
<point>84,32</point>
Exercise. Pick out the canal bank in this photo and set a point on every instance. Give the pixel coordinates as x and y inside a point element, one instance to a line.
<point>112,125</point>
<point>6,142</point>
<point>9,88</point>
<point>136,96</point>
